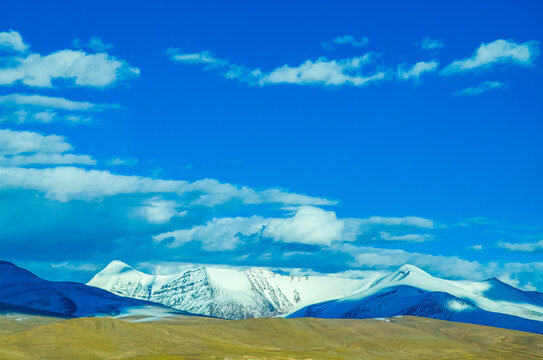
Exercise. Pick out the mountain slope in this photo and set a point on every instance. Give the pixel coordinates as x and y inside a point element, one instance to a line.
<point>226,293</point>
<point>21,291</point>
<point>411,291</point>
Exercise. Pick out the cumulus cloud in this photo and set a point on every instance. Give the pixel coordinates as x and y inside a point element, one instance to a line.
<point>94,70</point>
<point>95,44</point>
<point>416,70</point>
<point>12,40</point>
<point>497,52</point>
<point>476,247</point>
<point>346,40</point>
<point>522,247</point>
<point>309,225</point>
<point>319,72</point>
<point>430,44</point>
<point>481,88</point>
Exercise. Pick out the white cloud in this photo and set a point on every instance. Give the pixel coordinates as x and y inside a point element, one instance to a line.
<point>18,148</point>
<point>75,266</point>
<point>46,159</point>
<point>346,40</point>
<point>96,70</point>
<point>305,225</point>
<point>411,238</point>
<point>125,161</point>
<point>309,225</point>
<point>481,88</point>
<point>12,40</point>
<point>496,52</point>
<point>522,247</point>
<point>202,57</point>
<point>430,44</point>
<point>448,266</point>
<point>44,116</point>
<point>319,72</point>
<point>215,235</point>
<point>324,72</point>
<point>18,142</point>
<point>45,102</point>
<point>410,221</point>
<point>95,44</point>
<point>159,211</point>
<point>476,247</point>
<point>72,183</point>
<point>416,70</point>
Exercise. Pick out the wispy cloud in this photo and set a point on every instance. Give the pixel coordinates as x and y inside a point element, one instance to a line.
<point>361,70</point>
<point>481,88</point>
<point>318,72</point>
<point>345,40</point>
<point>95,44</point>
<point>411,238</point>
<point>24,108</point>
<point>522,247</point>
<point>122,161</point>
<point>202,57</point>
<point>45,102</point>
<point>430,44</point>
<point>416,70</point>
<point>497,52</point>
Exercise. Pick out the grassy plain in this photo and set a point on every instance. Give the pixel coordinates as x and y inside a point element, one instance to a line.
<point>34,337</point>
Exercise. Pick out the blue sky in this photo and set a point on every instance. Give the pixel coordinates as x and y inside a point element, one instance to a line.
<point>308,137</point>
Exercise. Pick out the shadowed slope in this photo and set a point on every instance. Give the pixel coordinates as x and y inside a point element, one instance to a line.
<point>23,292</point>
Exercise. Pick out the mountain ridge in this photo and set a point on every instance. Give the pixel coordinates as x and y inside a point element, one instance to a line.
<point>225,292</point>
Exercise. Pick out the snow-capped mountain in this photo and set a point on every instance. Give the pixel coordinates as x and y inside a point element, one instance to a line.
<point>226,292</point>
<point>21,291</point>
<point>411,291</point>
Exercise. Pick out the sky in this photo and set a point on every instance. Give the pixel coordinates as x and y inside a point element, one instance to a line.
<point>309,137</point>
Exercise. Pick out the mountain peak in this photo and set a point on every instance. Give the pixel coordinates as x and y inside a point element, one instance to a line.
<point>117,266</point>
<point>410,268</point>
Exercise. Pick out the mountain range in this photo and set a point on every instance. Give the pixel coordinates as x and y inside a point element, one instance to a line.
<point>235,293</point>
